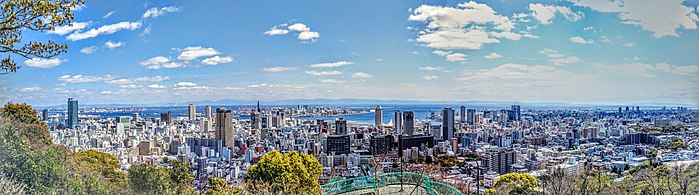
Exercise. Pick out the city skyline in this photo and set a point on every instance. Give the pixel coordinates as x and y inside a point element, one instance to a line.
<point>543,51</point>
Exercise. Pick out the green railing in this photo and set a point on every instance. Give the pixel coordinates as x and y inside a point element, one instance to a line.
<point>396,178</point>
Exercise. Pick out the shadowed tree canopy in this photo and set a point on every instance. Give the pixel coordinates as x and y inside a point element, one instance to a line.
<point>16,16</point>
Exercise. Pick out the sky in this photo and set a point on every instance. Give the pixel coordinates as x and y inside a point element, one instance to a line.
<point>154,52</point>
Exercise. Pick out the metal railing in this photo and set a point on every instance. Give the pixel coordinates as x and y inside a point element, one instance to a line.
<point>395,178</point>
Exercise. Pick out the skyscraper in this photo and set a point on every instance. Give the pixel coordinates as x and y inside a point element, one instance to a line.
<point>517,111</point>
<point>340,126</point>
<point>192,112</point>
<point>447,123</point>
<point>398,122</point>
<point>409,122</point>
<point>166,117</point>
<point>462,115</point>
<point>72,113</point>
<point>224,127</point>
<point>471,116</point>
<point>256,117</point>
<point>207,112</point>
<point>378,116</point>
<point>45,115</point>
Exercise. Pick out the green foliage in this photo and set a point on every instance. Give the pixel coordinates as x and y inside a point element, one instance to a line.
<point>676,144</point>
<point>34,15</point>
<point>29,126</point>
<point>219,186</point>
<point>182,177</point>
<point>292,172</point>
<point>150,179</point>
<point>10,187</point>
<point>643,165</point>
<point>517,183</point>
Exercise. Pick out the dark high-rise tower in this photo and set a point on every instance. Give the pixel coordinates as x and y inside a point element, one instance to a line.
<point>471,116</point>
<point>224,127</point>
<point>408,122</point>
<point>378,117</point>
<point>45,115</point>
<point>447,123</point>
<point>340,126</point>
<point>192,112</point>
<point>518,114</point>
<point>72,113</point>
<point>398,122</point>
<point>166,117</point>
<point>462,115</point>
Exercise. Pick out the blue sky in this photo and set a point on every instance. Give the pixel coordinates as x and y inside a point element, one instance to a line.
<point>597,52</point>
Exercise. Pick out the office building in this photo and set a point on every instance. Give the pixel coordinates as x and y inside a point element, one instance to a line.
<point>224,127</point>
<point>340,126</point>
<point>398,122</point>
<point>517,112</point>
<point>378,116</point>
<point>166,117</point>
<point>500,160</point>
<point>462,115</point>
<point>337,144</point>
<point>192,112</point>
<point>471,116</point>
<point>207,112</point>
<point>408,122</point>
<point>45,114</point>
<point>447,123</point>
<point>72,113</point>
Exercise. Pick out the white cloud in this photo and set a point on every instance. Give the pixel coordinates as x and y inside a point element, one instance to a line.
<point>64,30</point>
<point>644,70</point>
<point>104,30</point>
<point>362,75</point>
<point>108,14</point>
<point>430,77</point>
<point>467,26</point>
<point>31,89</point>
<point>88,50</point>
<point>130,86</point>
<point>450,56</point>
<point>276,31</point>
<point>155,12</point>
<point>493,56</point>
<point>186,84</point>
<point>278,69</point>
<point>42,62</point>
<point>156,86</point>
<point>217,60</point>
<point>322,73</point>
<point>84,79</point>
<point>331,64</point>
<point>124,81</point>
<point>161,62</point>
<point>546,13</point>
<point>331,81</point>
<point>112,45</point>
<point>308,35</point>
<point>304,32</point>
<point>120,81</point>
<point>557,58</point>
<point>191,53</point>
<point>432,68</point>
<point>146,31</point>
<point>106,92</point>
<point>577,39</point>
<point>629,44</point>
<point>663,18</point>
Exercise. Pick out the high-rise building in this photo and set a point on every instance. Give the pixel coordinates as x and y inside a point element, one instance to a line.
<point>166,117</point>
<point>340,126</point>
<point>378,116</point>
<point>500,160</point>
<point>447,123</point>
<point>408,122</point>
<point>72,113</point>
<point>462,115</point>
<point>256,117</point>
<point>337,144</point>
<point>224,127</point>
<point>517,112</point>
<point>471,116</point>
<point>192,112</point>
<point>398,122</point>
<point>207,112</point>
<point>45,114</point>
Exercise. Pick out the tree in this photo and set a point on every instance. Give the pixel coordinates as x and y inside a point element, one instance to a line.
<point>517,183</point>
<point>558,183</point>
<point>219,186</point>
<point>292,172</point>
<point>149,179</point>
<point>181,176</point>
<point>35,15</point>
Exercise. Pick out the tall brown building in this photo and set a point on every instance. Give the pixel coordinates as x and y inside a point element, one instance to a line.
<point>224,127</point>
